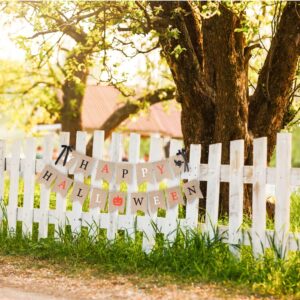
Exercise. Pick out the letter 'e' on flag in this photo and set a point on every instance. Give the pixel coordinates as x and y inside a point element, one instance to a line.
<point>116,201</point>
<point>105,170</point>
<point>98,198</point>
<point>62,185</point>
<point>138,202</point>
<point>156,200</point>
<point>79,192</point>
<point>47,176</point>
<point>192,190</point>
<point>174,196</point>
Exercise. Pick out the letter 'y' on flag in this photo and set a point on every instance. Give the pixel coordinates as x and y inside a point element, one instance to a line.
<point>138,202</point>
<point>161,170</point>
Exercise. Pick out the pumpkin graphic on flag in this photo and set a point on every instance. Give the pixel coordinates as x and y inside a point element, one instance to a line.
<point>117,201</point>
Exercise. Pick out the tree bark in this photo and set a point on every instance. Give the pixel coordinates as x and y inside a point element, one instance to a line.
<point>211,76</point>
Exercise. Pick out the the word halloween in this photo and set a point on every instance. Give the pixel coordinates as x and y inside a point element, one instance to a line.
<point>139,201</point>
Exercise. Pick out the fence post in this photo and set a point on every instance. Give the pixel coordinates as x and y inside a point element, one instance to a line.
<point>98,149</point>
<point>258,232</point>
<point>236,192</point>
<point>116,156</point>
<point>75,220</point>
<point>213,189</point>
<point>61,202</point>
<point>14,175</point>
<point>192,207</point>
<point>171,220</point>
<point>45,191</point>
<point>282,191</point>
<point>29,180</point>
<point>134,155</point>
<point>2,170</point>
<point>150,219</point>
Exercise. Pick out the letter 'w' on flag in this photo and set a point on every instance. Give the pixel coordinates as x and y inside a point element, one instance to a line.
<point>192,190</point>
<point>47,176</point>
<point>138,202</point>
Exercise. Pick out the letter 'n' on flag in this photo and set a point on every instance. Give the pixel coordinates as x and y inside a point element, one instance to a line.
<point>192,190</point>
<point>98,198</point>
<point>62,185</point>
<point>105,170</point>
<point>138,202</point>
<point>47,176</point>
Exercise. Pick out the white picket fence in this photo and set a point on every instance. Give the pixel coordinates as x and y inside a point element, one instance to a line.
<point>236,174</point>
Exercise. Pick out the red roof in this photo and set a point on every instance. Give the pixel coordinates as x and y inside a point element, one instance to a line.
<point>101,101</point>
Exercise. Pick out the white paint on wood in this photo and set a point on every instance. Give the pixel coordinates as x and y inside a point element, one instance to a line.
<point>259,195</point>
<point>282,204</point>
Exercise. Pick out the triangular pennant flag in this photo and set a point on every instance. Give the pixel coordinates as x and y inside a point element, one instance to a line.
<point>144,173</point>
<point>62,185</point>
<point>98,198</point>
<point>124,173</point>
<point>161,170</point>
<point>156,200</point>
<point>192,190</point>
<point>116,201</point>
<point>47,176</point>
<point>80,192</point>
<point>85,165</point>
<point>174,196</point>
<point>138,202</point>
<point>105,170</point>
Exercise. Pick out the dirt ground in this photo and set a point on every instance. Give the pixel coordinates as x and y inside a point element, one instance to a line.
<point>28,279</point>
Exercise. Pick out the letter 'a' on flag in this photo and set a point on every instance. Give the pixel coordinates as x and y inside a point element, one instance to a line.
<point>105,170</point>
<point>161,170</point>
<point>98,198</point>
<point>79,192</point>
<point>192,190</point>
<point>138,202</point>
<point>62,185</point>
<point>156,199</point>
<point>85,165</point>
<point>47,176</point>
<point>174,196</point>
<point>124,173</point>
<point>116,202</point>
<point>144,173</point>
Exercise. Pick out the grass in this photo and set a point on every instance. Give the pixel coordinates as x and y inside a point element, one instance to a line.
<point>193,257</point>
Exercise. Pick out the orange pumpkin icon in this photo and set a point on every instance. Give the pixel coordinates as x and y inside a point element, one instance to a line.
<point>117,201</point>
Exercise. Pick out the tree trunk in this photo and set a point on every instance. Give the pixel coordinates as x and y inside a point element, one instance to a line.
<point>211,76</point>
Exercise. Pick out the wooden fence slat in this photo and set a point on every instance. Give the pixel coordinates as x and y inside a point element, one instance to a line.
<point>61,202</point>
<point>45,191</point>
<point>192,207</point>
<point>2,170</point>
<point>149,219</point>
<point>259,195</point>
<point>98,152</point>
<point>134,155</point>
<point>29,183</point>
<point>213,188</point>
<point>75,219</point>
<point>171,220</point>
<point>236,192</point>
<point>14,175</point>
<point>116,156</point>
<point>282,191</point>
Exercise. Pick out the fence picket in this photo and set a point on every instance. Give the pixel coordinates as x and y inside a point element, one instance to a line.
<point>171,220</point>
<point>14,175</point>
<point>213,188</point>
<point>192,207</point>
<point>45,192</point>
<point>236,192</point>
<point>61,202</point>
<point>282,191</point>
<point>259,195</point>
<point>116,156</point>
<point>2,170</point>
<point>29,180</point>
